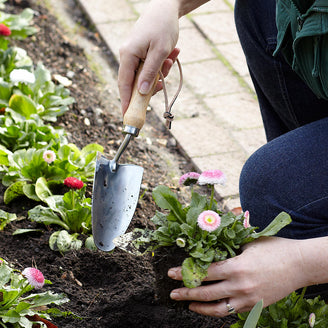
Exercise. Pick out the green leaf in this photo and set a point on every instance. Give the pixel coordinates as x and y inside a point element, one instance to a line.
<point>46,216</point>
<point>208,256</point>
<point>41,188</point>
<point>229,233</point>
<point>280,221</point>
<point>254,315</point>
<point>11,316</point>
<point>192,274</point>
<point>22,306</point>
<point>22,231</point>
<point>167,200</point>
<point>5,218</point>
<point>198,201</point>
<point>4,156</point>
<point>47,298</point>
<point>91,148</point>
<point>192,215</point>
<point>90,243</point>
<point>42,75</point>
<point>63,242</point>
<point>13,191</point>
<point>29,192</point>
<point>5,91</point>
<point>159,219</point>
<point>187,229</point>
<point>5,274</point>
<point>22,105</point>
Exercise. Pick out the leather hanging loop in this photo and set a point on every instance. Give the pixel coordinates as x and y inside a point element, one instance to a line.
<point>168,106</point>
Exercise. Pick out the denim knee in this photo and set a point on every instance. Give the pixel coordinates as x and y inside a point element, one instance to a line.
<point>255,190</point>
<point>290,174</point>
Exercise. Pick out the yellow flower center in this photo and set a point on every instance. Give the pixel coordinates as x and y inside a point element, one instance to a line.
<point>209,219</point>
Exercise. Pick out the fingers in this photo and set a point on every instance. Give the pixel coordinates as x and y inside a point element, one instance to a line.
<point>206,293</point>
<point>214,309</point>
<point>153,63</point>
<point>205,299</point>
<point>211,299</point>
<point>219,308</point>
<point>126,75</point>
<point>129,65</point>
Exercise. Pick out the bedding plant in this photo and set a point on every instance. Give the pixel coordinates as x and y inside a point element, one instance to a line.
<point>36,159</point>
<point>208,235</point>
<point>205,233</point>
<point>19,307</point>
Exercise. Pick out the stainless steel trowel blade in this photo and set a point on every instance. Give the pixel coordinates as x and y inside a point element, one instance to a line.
<point>114,200</point>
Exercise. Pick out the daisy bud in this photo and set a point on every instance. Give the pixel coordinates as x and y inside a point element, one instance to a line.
<point>49,156</point>
<point>312,320</point>
<point>4,30</point>
<point>189,178</point>
<point>209,220</point>
<point>73,183</point>
<point>246,220</point>
<point>212,177</point>
<point>34,277</point>
<point>180,242</point>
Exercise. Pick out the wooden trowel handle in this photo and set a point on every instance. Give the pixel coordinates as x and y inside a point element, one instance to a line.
<point>135,115</point>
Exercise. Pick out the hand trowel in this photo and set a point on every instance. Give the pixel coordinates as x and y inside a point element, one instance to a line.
<point>116,186</point>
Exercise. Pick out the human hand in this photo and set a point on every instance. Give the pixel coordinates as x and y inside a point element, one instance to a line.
<point>268,268</point>
<point>153,40</point>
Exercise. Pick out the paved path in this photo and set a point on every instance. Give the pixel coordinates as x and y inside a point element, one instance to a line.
<point>217,120</point>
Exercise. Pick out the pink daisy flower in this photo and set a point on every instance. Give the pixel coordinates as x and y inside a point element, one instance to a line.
<point>312,320</point>
<point>73,183</point>
<point>34,277</point>
<point>49,156</point>
<point>4,30</point>
<point>246,220</point>
<point>189,178</point>
<point>212,177</point>
<point>209,220</point>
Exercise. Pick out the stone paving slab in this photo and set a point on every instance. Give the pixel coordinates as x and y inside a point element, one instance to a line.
<point>200,49</point>
<point>219,26</point>
<point>217,119</point>
<point>105,11</point>
<point>211,78</point>
<point>232,52</point>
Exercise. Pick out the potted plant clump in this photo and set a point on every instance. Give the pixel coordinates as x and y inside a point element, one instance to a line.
<point>193,235</point>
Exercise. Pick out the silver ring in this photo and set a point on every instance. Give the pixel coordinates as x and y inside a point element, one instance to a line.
<point>230,308</point>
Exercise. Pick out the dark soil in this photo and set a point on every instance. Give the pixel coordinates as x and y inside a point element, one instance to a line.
<point>105,289</point>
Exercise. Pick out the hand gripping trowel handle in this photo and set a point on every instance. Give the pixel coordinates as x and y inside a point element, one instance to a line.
<point>135,116</point>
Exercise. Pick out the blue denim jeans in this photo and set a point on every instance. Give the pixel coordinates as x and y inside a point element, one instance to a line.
<point>286,102</point>
<point>290,172</point>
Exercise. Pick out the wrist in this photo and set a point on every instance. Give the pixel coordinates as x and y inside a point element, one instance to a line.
<point>312,255</point>
<point>186,6</point>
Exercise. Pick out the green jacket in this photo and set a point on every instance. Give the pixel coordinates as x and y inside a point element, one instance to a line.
<point>303,40</point>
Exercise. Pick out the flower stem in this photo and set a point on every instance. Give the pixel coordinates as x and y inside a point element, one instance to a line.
<point>73,199</point>
<point>212,197</point>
